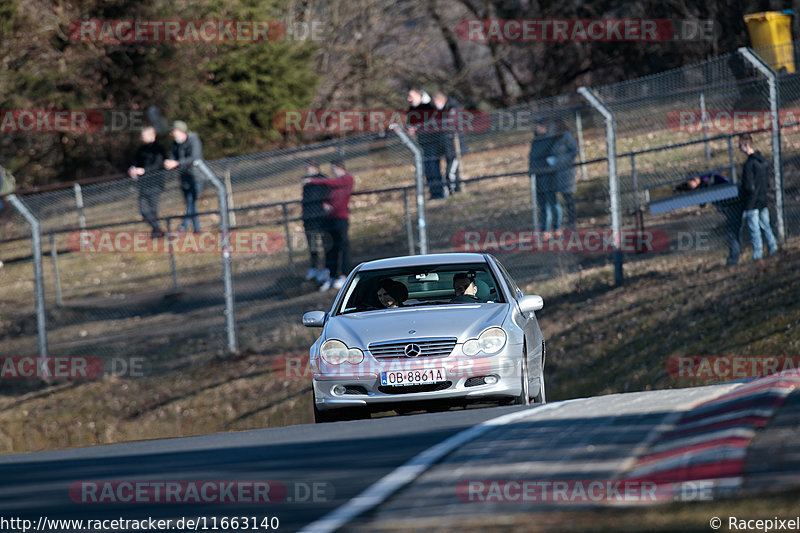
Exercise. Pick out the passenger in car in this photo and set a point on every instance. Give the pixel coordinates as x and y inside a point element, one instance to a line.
<point>392,293</point>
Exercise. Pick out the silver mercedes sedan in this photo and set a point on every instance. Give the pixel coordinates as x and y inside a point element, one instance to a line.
<point>426,332</point>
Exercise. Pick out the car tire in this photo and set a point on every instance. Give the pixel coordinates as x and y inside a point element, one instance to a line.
<point>524,398</point>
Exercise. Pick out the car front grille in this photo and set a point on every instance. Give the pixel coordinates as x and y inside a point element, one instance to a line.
<point>429,347</point>
<point>408,389</point>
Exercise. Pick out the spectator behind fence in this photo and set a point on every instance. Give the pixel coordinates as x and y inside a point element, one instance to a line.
<point>565,150</point>
<point>730,208</point>
<point>753,191</point>
<point>422,121</point>
<point>315,193</point>
<point>147,169</point>
<point>187,148</point>
<point>450,108</point>
<point>551,159</point>
<point>337,220</point>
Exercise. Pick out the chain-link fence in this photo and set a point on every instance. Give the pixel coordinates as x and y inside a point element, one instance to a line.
<point>110,291</point>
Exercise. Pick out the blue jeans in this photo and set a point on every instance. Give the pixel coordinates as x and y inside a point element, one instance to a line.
<point>550,212</point>
<point>733,224</point>
<point>191,195</point>
<point>757,221</point>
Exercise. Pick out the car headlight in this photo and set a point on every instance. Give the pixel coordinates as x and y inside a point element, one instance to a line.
<point>489,342</point>
<point>335,352</point>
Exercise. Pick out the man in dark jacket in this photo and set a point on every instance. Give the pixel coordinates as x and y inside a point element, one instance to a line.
<point>185,150</point>
<point>147,170</point>
<point>753,192</point>
<point>538,165</point>
<point>450,109</point>
<point>422,120</point>
<point>314,194</point>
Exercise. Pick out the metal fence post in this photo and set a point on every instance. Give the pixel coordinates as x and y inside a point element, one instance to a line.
<point>289,248</point>
<point>409,227</point>
<point>79,204</point>
<point>227,270</point>
<point>419,173</point>
<point>534,203</point>
<point>774,105</point>
<point>613,178</point>
<point>229,190</point>
<point>703,116</point>
<point>579,131</point>
<point>54,257</point>
<point>38,273</point>
<point>173,267</point>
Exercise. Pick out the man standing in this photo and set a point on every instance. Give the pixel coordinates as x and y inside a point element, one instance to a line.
<point>422,116</point>
<point>185,150</point>
<point>753,191</point>
<point>453,142</point>
<point>315,192</point>
<point>337,221</point>
<point>146,169</point>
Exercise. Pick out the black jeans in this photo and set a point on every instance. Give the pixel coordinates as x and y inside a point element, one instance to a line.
<point>148,207</point>
<point>337,258</point>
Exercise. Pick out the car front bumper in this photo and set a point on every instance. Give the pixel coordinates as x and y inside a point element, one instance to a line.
<point>462,383</point>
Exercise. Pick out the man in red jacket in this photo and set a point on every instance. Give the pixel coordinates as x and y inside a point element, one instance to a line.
<point>337,221</point>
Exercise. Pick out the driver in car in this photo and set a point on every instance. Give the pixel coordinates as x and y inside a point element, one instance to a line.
<point>465,289</point>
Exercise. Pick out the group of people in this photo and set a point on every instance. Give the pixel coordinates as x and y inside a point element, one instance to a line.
<point>750,207</point>
<point>427,119</point>
<point>326,220</point>
<point>148,166</point>
<point>552,161</point>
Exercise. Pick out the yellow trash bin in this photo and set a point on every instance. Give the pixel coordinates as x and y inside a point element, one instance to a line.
<point>771,36</point>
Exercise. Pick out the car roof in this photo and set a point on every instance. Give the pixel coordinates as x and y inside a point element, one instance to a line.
<point>428,259</point>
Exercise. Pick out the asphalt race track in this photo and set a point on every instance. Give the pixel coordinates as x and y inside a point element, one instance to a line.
<point>315,472</point>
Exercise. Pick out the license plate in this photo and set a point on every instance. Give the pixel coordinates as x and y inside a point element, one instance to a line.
<point>402,378</point>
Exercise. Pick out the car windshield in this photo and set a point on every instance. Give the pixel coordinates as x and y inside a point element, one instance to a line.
<point>420,286</point>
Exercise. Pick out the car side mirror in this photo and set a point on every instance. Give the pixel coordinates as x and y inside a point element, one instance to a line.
<point>314,319</point>
<point>530,303</point>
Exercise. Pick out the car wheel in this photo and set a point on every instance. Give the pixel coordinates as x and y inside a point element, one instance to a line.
<point>524,398</point>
